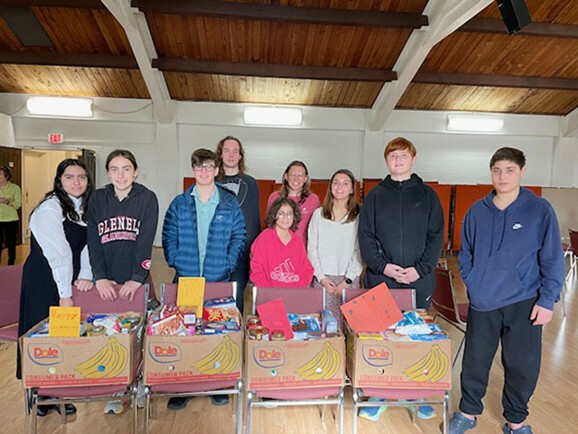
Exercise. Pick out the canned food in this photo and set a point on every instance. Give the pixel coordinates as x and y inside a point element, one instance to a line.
<point>96,330</point>
<point>277,335</point>
<point>261,333</point>
<point>253,322</point>
<point>133,320</point>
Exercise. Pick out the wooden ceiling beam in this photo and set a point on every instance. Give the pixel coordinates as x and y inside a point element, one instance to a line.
<point>80,4</point>
<point>271,70</point>
<point>445,18</point>
<point>63,59</point>
<point>141,42</point>
<point>548,30</point>
<point>491,80</point>
<point>268,12</point>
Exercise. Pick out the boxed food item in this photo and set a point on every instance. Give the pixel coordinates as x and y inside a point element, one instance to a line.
<point>386,360</point>
<point>102,357</point>
<point>187,359</point>
<point>295,364</point>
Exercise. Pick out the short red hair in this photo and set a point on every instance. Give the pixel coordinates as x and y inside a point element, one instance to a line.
<point>400,144</point>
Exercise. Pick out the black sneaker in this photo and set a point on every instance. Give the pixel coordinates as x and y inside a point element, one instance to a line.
<point>178,403</point>
<point>42,410</point>
<point>218,400</point>
<point>68,409</point>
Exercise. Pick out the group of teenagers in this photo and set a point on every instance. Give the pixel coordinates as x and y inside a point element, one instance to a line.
<point>511,258</point>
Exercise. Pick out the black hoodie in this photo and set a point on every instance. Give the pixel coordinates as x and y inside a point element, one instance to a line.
<point>121,233</point>
<point>402,223</point>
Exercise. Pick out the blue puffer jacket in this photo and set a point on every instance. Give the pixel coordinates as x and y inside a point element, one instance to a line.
<point>224,245</point>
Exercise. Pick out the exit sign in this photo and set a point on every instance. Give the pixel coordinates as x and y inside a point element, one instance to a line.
<point>55,138</point>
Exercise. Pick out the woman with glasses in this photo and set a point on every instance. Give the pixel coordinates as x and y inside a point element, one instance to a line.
<point>332,247</point>
<point>296,187</point>
<point>278,255</point>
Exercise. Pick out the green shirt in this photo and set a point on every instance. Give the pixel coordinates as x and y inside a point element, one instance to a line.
<point>8,211</point>
<point>205,213</point>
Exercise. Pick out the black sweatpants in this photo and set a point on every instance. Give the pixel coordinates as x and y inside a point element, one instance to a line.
<point>521,356</point>
<point>8,232</point>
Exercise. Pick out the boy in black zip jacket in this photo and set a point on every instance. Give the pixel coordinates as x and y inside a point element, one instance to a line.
<point>401,234</point>
<point>401,227</point>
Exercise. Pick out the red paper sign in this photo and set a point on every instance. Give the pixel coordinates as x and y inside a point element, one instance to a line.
<point>373,311</point>
<point>274,316</point>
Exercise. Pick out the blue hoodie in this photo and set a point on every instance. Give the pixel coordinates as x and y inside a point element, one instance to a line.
<point>511,255</point>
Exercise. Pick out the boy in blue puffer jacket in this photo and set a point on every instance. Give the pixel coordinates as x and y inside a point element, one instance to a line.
<point>512,264</point>
<point>204,234</point>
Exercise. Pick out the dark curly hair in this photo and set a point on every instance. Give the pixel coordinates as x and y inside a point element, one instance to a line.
<point>276,206</point>
<point>68,210</point>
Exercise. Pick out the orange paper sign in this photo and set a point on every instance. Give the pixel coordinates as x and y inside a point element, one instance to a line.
<point>191,292</point>
<point>373,311</point>
<point>64,321</point>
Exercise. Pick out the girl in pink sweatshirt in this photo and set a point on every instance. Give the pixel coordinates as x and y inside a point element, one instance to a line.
<point>296,187</point>
<point>278,256</point>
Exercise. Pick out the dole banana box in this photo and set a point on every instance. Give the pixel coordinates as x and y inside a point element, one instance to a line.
<point>295,364</point>
<point>81,361</point>
<point>189,359</point>
<point>399,364</point>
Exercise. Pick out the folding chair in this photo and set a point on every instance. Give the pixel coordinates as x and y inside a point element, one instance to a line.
<point>90,302</point>
<point>204,388</point>
<point>571,250</point>
<point>298,301</point>
<point>446,306</point>
<point>405,299</point>
<point>11,278</point>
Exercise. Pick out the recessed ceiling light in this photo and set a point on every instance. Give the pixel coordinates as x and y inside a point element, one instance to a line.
<point>280,116</point>
<point>479,123</point>
<point>59,107</point>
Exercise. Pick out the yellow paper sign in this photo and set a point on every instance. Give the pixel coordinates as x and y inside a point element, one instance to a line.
<point>64,321</point>
<point>191,292</point>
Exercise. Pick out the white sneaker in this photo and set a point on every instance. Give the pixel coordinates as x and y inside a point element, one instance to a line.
<point>114,407</point>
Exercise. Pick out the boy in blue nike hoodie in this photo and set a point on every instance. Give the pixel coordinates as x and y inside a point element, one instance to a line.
<point>512,263</point>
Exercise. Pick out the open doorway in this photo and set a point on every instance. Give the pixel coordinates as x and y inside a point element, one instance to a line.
<point>38,169</point>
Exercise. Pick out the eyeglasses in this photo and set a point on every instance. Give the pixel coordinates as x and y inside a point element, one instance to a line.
<point>204,167</point>
<point>281,215</point>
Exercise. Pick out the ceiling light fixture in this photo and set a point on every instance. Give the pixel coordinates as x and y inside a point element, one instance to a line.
<point>59,107</point>
<point>279,116</point>
<point>479,123</point>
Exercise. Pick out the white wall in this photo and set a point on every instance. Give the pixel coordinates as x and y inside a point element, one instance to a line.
<point>329,139</point>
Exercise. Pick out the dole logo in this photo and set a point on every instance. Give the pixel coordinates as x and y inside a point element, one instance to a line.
<point>268,357</point>
<point>44,354</point>
<point>377,355</point>
<point>165,353</point>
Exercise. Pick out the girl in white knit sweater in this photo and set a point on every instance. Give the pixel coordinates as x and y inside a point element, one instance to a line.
<point>332,241</point>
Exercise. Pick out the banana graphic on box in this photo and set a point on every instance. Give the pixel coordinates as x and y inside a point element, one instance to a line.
<point>107,363</point>
<point>221,360</point>
<point>432,367</point>
<point>321,367</point>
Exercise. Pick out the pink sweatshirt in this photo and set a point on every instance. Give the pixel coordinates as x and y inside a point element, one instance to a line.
<point>276,265</point>
<point>307,207</point>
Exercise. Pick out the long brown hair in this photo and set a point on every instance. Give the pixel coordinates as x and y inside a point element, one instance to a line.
<point>305,191</point>
<point>219,153</point>
<point>352,205</point>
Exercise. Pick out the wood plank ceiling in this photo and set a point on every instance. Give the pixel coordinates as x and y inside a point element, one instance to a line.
<point>336,53</point>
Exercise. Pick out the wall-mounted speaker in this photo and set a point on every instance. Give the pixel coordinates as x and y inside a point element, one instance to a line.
<point>515,14</point>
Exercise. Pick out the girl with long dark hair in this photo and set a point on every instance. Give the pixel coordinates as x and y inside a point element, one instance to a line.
<point>58,257</point>
<point>332,243</point>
